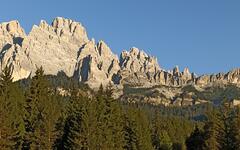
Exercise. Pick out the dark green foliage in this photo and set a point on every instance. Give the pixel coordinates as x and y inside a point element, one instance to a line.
<point>212,129</point>
<point>137,130</point>
<point>196,140</point>
<point>92,123</point>
<point>226,136</point>
<point>236,129</point>
<point>41,114</point>
<point>160,137</point>
<point>34,114</point>
<point>11,112</point>
<point>36,94</point>
<point>221,130</point>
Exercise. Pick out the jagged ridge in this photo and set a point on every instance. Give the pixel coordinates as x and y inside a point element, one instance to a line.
<point>64,46</point>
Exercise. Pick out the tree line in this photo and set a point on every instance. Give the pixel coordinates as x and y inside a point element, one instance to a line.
<point>38,117</point>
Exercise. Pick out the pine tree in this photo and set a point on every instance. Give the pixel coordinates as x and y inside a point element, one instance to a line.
<point>74,137</point>
<point>90,124</point>
<point>220,130</point>
<point>16,114</point>
<point>93,123</point>
<point>115,122</point>
<point>37,116</point>
<point>212,130</point>
<point>5,131</point>
<point>130,133</point>
<point>109,132</point>
<point>160,137</point>
<point>51,114</point>
<point>74,128</point>
<point>61,130</point>
<point>236,129</point>
<point>137,130</point>
<point>196,140</point>
<point>143,131</point>
<point>11,125</point>
<point>226,136</point>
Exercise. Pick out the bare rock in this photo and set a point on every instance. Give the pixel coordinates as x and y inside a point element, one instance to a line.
<point>63,46</point>
<point>139,66</point>
<point>96,64</point>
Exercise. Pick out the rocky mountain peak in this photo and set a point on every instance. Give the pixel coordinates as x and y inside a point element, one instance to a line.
<point>186,71</point>
<point>134,51</point>
<point>138,61</point>
<point>176,71</point>
<point>103,49</point>
<point>54,47</point>
<point>64,46</point>
<point>10,33</point>
<point>13,28</point>
<point>65,27</point>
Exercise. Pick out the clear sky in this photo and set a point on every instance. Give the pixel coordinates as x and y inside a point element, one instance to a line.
<point>201,34</point>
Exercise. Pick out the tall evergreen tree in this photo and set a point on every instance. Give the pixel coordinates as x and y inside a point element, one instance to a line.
<point>93,123</point>
<point>40,120</point>
<point>226,135</point>
<point>37,118</point>
<point>236,129</point>
<point>51,115</point>
<point>212,133</point>
<point>11,101</point>
<point>137,130</point>
<point>220,129</point>
<point>130,136</point>
<point>109,132</point>
<point>73,137</point>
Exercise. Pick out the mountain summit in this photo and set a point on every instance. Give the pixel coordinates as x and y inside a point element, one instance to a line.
<point>65,47</point>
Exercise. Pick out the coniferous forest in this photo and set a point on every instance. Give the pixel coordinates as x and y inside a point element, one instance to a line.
<point>35,115</point>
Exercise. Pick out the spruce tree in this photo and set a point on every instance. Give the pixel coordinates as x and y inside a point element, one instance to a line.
<point>212,131</point>
<point>226,135</point>
<point>5,131</point>
<point>51,115</point>
<point>37,99</point>
<point>90,124</point>
<point>109,132</point>
<point>11,101</point>
<point>220,130</point>
<point>143,131</point>
<point>137,130</point>
<point>73,137</point>
<point>236,129</point>
<point>130,136</point>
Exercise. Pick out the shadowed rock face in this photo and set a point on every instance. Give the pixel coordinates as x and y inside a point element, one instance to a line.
<point>64,46</point>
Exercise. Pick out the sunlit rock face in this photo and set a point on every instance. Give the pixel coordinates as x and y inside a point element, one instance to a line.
<point>64,46</point>
<point>96,64</point>
<point>54,47</point>
<point>61,46</point>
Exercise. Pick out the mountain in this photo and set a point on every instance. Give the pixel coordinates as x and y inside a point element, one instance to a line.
<point>64,46</point>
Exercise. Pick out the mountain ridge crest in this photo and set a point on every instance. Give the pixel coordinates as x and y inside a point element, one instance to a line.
<point>64,46</point>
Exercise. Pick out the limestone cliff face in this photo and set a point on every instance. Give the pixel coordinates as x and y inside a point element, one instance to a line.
<point>64,46</point>
<point>10,33</point>
<point>96,64</point>
<point>61,46</point>
<point>54,47</point>
<point>137,68</point>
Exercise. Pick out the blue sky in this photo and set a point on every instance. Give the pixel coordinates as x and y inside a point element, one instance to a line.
<point>201,34</point>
